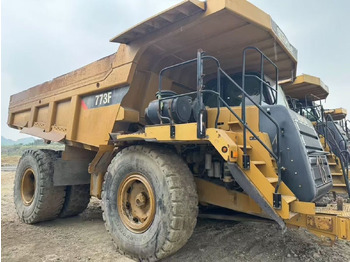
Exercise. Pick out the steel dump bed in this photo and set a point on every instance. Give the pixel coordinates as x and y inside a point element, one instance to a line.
<point>110,95</point>
<point>306,87</point>
<point>337,113</point>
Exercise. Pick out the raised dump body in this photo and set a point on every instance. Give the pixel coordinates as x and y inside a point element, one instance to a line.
<point>163,127</point>
<point>305,87</point>
<point>337,114</point>
<point>70,107</point>
<point>304,92</point>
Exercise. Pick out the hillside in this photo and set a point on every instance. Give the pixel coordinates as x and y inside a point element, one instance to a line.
<point>22,141</point>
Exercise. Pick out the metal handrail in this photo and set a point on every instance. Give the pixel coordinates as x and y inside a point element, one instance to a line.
<point>346,128</point>
<point>263,57</point>
<point>260,109</point>
<point>220,100</point>
<point>241,121</point>
<point>183,64</point>
<point>344,154</point>
<point>267,84</point>
<point>330,118</point>
<point>230,109</point>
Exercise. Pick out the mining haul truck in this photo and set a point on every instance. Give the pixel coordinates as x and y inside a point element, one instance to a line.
<point>185,114</point>
<point>305,95</point>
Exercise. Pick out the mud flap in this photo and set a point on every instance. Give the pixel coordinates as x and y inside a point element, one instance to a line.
<point>250,189</point>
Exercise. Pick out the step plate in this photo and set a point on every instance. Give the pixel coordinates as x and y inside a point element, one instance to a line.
<point>331,209</point>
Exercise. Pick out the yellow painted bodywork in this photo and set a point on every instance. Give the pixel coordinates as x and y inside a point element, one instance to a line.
<point>337,114</point>
<point>222,28</point>
<point>306,86</point>
<point>323,225</point>
<point>262,172</point>
<point>187,133</point>
<point>209,193</point>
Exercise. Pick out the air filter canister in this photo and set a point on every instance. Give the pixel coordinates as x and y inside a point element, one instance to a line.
<point>178,109</point>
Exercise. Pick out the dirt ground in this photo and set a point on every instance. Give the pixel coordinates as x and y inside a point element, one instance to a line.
<point>84,238</point>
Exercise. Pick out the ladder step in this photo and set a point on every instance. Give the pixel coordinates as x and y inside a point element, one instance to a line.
<point>272,179</point>
<point>337,174</point>
<point>233,122</point>
<point>257,163</point>
<point>289,199</point>
<point>241,146</point>
<point>332,164</point>
<point>339,185</point>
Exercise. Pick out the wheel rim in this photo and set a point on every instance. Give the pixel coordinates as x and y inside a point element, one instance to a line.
<point>28,187</point>
<point>136,203</point>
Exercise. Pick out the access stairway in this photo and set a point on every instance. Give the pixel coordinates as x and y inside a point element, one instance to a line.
<point>335,143</point>
<point>262,173</point>
<point>303,94</point>
<point>339,184</point>
<point>250,157</point>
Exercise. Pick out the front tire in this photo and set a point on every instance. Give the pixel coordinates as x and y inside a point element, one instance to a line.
<point>149,201</point>
<point>36,199</point>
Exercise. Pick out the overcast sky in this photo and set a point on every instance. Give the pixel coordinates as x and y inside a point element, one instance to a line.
<point>43,39</point>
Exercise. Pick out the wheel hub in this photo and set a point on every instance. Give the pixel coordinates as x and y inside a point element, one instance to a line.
<point>28,187</point>
<point>141,199</point>
<point>136,203</point>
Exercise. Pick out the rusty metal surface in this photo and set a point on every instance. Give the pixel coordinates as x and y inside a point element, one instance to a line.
<point>320,223</point>
<point>332,209</point>
<point>39,132</point>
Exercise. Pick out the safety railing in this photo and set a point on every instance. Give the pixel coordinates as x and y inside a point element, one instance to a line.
<point>345,124</point>
<point>221,102</point>
<point>339,148</point>
<point>323,122</point>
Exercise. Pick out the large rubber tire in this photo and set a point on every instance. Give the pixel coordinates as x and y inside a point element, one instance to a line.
<point>46,200</point>
<point>77,197</point>
<point>175,197</point>
<point>76,201</point>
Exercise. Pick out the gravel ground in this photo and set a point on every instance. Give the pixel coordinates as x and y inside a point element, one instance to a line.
<point>84,238</point>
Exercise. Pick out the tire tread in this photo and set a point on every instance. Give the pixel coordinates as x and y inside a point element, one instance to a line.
<point>181,185</point>
<point>51,198</point>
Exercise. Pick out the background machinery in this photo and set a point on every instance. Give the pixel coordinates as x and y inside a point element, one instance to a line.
<point>305,95</point>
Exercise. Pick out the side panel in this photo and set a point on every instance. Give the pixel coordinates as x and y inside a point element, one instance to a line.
<point>306,171</point>
<point>84,119</point>
<point>97,115</point>
<point>62,111</point>
<point>20,119</point>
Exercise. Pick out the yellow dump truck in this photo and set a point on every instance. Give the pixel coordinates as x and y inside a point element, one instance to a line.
<point>305,94</point>
<point>162,127</point>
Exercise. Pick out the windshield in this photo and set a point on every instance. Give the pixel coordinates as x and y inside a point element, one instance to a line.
<point>281,97</point>
<point>232,94</point>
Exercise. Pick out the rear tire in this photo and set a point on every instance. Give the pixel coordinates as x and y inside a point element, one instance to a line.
<point>35,197</point>
<point>159,174</point>
<point>76,201</point>
<point>77,197</point>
